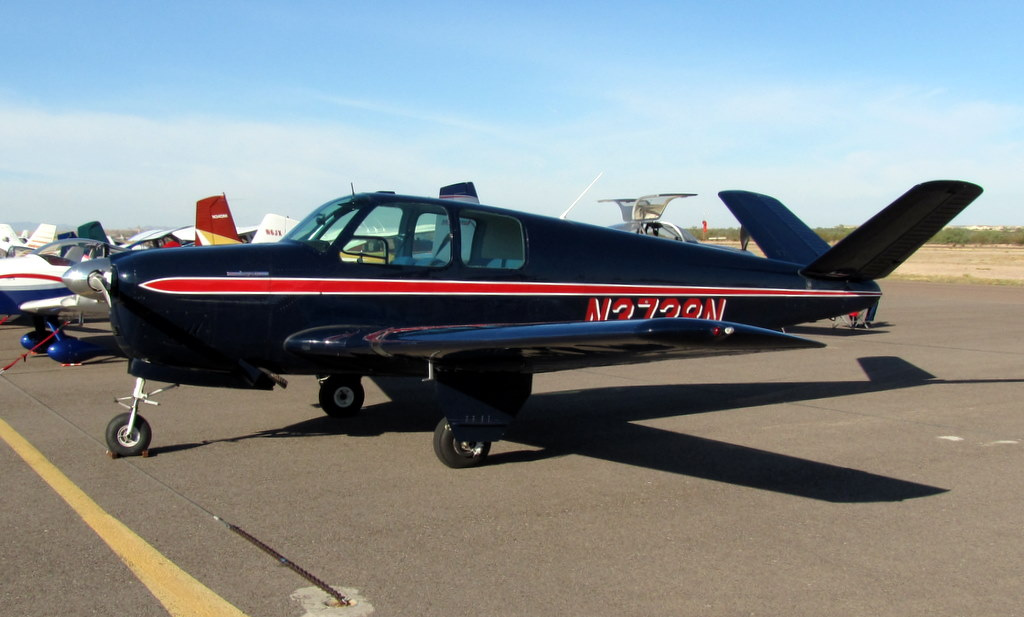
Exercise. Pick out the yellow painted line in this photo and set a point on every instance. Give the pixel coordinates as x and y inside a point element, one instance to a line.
<point>178,591</point>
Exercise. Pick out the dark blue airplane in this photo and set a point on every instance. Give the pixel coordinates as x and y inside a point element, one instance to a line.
<point>478,299</point>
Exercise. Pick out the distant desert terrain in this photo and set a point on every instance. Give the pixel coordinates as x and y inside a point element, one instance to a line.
<point>940,263</point>
<point>993,265</point>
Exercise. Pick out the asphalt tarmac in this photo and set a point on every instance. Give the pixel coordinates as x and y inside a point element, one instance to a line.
<point>881,475</point>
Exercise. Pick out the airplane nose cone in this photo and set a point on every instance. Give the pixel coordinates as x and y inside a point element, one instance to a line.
<point>89,278</point>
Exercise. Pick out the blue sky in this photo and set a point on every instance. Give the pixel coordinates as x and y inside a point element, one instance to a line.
<point>129,112</point>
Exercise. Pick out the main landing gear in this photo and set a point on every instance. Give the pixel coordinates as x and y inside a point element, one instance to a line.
<point>458,454</point>
<point>341,396</point>
<point>478,408</point>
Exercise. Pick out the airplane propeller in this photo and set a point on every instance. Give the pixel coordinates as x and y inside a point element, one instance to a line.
<point>90,279</point>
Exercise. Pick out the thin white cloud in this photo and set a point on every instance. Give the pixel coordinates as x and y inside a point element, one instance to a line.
<point>835,153</point>
<point>133,170</point>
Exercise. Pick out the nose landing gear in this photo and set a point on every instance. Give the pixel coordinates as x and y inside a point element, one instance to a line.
<point>128,434</point>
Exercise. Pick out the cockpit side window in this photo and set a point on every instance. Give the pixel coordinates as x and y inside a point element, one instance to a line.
<point>428,241</point>
<point>491,241</point>
<point>402,234</point>
<point>374,239</point>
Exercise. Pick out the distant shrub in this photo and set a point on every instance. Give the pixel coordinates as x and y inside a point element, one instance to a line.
<point>953,236</point>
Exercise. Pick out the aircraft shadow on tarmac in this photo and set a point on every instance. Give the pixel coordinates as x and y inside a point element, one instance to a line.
<point>600,423</point>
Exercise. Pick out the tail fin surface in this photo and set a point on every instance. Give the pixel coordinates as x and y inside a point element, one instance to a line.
<point>92,230</point>
<point>214,224</point>
<point>777,231</point>
<point>461,191</point>
<point>879,246</point>
<point>45,233</point>
<point>873,250</point>
<point>272,228</point>
<point>8,236</point>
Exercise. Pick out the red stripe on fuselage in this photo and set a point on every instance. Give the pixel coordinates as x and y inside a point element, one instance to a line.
<point>326,286</point>
<point>30,275</point>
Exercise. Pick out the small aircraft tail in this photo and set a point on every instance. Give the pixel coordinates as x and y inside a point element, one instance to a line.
<point>214,224</point>
<point>8,237</point>
<point>461,191</point>
<point>45,233</point>
<point>272,228</point>
<point>873,250</point>
<point>879,246</point>
<point>92,230</point>
<point>777,231</point>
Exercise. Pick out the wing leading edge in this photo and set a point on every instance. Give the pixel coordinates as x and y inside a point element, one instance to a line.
<point>538,348</point>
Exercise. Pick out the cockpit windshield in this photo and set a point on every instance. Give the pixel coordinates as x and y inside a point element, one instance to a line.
<point>321,228</point>
<point>73,250</point>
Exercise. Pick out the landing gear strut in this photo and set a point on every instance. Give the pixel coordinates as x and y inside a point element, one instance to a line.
<point>128,434</point>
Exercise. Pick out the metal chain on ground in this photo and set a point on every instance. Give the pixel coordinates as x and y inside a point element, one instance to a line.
<point>341,598</point>
<point>24,356</point>
<point>337,595</point>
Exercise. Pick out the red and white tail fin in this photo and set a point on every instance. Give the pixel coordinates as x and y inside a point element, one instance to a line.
<point>214,224</point>
<point>44,234</point>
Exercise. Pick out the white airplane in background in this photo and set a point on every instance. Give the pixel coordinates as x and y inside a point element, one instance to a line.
<point>642,215</point>
<point>8,239</point>
<point>37,275</point>
<point>157,238</point>
<point>214,225</point>
<point>12,244</point>
<point>272,228</point>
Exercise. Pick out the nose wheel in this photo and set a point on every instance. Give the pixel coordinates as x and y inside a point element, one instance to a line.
<point>127,436</point>
<point>128,433</point>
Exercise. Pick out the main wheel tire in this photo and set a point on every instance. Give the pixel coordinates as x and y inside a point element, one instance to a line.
<point>341,396</point>
<point>124,443</point>
<point>458,454</point>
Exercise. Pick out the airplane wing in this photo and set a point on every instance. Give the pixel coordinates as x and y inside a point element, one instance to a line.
<point>70,305</point>
<point>537,348</point>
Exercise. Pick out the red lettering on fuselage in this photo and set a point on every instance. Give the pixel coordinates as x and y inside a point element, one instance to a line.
<point>597,309</point>
<point>604,309</point>
<point>714,311</point>
<point>691,308</point>
<point>622,308</point>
